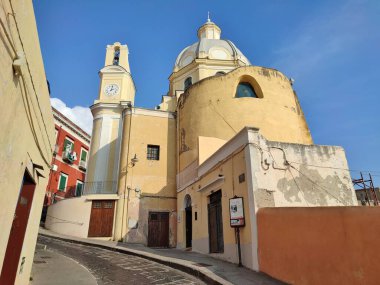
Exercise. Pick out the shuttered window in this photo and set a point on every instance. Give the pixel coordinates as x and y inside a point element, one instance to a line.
<point>79,188</point>
<point>62,182</point>
<point>83,155</point>
<point>68,144</point>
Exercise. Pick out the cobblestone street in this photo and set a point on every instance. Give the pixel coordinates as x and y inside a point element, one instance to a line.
<point>111,267</point>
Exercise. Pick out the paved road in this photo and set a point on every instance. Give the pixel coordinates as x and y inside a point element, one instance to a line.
<point>115,268</point>
<point>53,268</point>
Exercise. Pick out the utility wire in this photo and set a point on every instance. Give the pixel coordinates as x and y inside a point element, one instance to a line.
<point>30,73</point>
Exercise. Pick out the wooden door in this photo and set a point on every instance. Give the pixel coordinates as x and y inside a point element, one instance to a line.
<point>101,220</point>
<point>18,229</point>
<point>158,229</point>
<point>189,226</point>
<point>215,223</point>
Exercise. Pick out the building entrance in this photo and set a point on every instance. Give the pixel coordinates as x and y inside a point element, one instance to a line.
<point>189,221</point>
<point>215,223</point>
<point>17,234</point>
<point>101,219</point>
<point>158,229</point>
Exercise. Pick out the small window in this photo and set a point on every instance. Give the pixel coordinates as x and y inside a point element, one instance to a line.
<point>116,56</point>
<point>188,82</point>
<point>153,152</point>
<point>242,178</point>
<point>96,204</point>
<point>245,90</point>
<point>79,188</point>
<point>62,182</point>
<point>108,205</point>
<point>83,155</point>
<point>68,145</point>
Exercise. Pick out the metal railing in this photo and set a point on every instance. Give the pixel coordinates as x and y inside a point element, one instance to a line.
<point>100,187</point>
<point>68,192</point>
<point>82,164</point>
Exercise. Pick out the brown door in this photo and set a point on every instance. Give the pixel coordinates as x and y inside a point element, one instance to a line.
<point>101,220</point>
<point>189,226</point>
<point>158,229</point>
<point>215,223</point>
<point>17,234</point>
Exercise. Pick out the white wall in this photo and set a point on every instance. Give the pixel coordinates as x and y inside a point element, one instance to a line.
<point>69,217</point>
<point>296,175</point>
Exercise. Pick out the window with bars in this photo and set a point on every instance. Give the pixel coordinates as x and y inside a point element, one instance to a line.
<point>153,152</point>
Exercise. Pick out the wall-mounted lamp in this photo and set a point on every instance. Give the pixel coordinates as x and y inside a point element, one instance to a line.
<point>134,160</point>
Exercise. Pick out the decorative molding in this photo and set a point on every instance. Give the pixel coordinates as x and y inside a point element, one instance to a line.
<point>102,197</point>
<point>213,184</point>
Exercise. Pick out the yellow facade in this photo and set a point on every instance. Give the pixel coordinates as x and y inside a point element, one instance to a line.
<point>213,144</point>
<point>26,128</point>
<point>118,158</point>
<point>209,108</point>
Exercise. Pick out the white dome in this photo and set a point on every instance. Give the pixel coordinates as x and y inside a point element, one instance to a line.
<point>210,46</point>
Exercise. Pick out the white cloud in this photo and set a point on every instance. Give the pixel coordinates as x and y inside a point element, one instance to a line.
<point>79,115</point>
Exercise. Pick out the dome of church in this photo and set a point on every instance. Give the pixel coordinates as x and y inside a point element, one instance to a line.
<point>210,46</point>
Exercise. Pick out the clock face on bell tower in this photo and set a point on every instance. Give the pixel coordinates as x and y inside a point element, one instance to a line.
<point>116,83</point>
<point>111,89</point>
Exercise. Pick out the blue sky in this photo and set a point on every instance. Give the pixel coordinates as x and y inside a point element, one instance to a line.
<point>331,49</point>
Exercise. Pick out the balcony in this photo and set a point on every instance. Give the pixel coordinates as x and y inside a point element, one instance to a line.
<point>100,187</point>
<point>82,165</point>
<point>68,157</point>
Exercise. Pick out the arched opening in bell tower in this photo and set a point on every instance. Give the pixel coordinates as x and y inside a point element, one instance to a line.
<point>116,56</point>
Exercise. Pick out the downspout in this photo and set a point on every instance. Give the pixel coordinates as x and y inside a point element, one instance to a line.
<point>126,176</point>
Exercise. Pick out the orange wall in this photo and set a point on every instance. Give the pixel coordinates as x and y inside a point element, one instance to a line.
<point>324,245</point>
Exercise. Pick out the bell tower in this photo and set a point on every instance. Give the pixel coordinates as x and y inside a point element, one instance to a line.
<point>116,96</point>
<point>116,83</point>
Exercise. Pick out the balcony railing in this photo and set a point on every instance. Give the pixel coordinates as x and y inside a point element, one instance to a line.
<point>100,187</point>
<point>68,192</point>
<point>82,165</point>
<point>68,157</point>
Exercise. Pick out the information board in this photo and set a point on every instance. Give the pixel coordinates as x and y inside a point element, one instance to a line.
<point>237,212</point>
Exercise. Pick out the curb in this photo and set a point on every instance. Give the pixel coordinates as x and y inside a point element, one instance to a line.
<point>208,277</point>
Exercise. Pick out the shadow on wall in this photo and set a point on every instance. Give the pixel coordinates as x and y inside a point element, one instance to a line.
<point>152,201</point>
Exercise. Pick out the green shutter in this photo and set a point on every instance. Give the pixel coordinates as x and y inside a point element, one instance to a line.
<point>62,183</point>
<point>67,142</point>
<point>79,189</point>
<point>83,155</point>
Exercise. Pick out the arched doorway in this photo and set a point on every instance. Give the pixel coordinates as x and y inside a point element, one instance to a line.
<point>189,220</point>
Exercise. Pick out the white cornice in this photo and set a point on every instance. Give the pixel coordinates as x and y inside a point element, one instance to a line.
<point>150,112</point>
<point>61,120</point>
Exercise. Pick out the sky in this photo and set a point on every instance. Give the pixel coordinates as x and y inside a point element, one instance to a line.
<point>331,48</point>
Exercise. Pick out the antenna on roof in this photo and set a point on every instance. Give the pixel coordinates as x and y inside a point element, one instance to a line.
<point>208,17</point>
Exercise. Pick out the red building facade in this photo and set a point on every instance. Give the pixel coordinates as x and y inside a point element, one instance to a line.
<point>69,163</point>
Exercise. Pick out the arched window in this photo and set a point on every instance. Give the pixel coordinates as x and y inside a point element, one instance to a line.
<point>116,56</point>
<point>220,73</point>
<point>245,89</point>
<point>188,83</point>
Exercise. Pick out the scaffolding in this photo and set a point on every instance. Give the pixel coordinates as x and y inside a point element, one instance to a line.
<point>366,186</point>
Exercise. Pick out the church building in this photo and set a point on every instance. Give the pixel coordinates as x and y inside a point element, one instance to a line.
<point>226,129</point>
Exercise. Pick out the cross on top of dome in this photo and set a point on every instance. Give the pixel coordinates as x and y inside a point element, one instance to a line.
<point>209,30</point>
